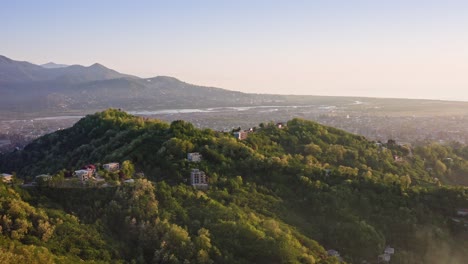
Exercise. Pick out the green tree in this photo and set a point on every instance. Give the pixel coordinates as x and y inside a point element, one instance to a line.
<point>128,169</point>
<point>440,168</point>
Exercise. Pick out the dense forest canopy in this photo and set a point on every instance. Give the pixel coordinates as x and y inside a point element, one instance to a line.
<point>283,195</point>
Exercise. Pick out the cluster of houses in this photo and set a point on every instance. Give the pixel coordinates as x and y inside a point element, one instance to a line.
<point>84,174</point>
<point>89,171</point>
<point>198,178</point>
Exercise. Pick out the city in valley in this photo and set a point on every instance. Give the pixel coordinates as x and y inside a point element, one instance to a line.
<point>376,119</point>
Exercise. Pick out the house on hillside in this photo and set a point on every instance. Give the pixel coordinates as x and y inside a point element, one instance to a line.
<point>113,166</point>
<point>198,179</point>
<point>334,253</point>
<point>389,250</point>
<point>6,178</point>
<point>384,258</point>
<point>194,157</point>
<point>90,167</point>
<point>462,212</point>
<point>84,175</point>
<point>280,125</point>
<point>241,135</point>
<point>387,255</point>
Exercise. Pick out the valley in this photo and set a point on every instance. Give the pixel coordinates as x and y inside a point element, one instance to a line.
<point>368,118</point>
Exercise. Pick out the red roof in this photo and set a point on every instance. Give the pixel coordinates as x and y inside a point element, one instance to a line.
<point>90,166</point>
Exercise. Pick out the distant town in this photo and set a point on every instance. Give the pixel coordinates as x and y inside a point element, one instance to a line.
<point>374,125</point>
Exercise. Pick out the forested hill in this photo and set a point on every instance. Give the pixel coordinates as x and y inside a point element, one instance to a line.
<point>282,195</point>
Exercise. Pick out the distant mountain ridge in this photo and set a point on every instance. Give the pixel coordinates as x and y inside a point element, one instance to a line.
<point>29,87</point>
<point>52,65</point>
<point>12,71</point>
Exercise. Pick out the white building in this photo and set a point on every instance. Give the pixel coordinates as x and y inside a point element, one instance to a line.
<point>84,175</point>
<point>7,178</point>
<point>113,166</point>
<point>389,250</point>
<point>384,258</point>
<point>194,157</point>
<point>462,212</point>
<point>198,179</point>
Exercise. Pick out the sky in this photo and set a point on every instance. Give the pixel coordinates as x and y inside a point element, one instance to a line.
<point>373,48</point>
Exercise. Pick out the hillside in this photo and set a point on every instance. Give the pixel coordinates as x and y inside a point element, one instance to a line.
<point>282,195</point>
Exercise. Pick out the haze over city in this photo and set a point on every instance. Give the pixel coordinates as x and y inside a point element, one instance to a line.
<point>404,49</point>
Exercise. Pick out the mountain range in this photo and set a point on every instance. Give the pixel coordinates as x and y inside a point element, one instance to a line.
<point>27,87</point>
<point>54,89</point>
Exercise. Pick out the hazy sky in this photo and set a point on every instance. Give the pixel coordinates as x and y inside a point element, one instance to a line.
<point>383,48</point>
